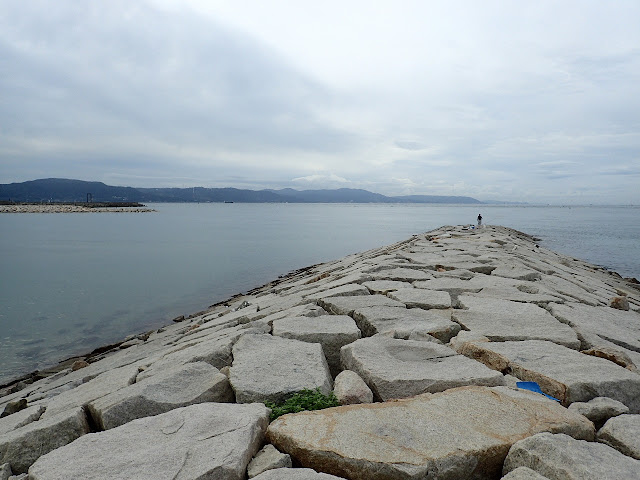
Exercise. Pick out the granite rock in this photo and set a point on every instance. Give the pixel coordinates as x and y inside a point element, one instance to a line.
<point>294,474</point>
<point>395,368</point>
<point>349,389</point>
<point>208,440</point>
<point>599,409</point>
<point>460,433</point>
<point>623,434</point>
<point>178,387</point>
<point>560,457</point>
<point>330,331</point>
<point>268,368</point>
<point>268,458</point>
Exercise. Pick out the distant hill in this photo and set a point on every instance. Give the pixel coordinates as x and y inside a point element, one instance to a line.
<point>66,190</point>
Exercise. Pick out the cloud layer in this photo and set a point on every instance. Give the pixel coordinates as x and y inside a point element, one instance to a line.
<point>497,100</point>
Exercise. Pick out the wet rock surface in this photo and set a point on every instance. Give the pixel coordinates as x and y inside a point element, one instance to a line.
<point>455,312</point>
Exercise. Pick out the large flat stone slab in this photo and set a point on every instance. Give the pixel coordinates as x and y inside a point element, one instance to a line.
<point>616,326</point>
<point>23,446</point>
<point>208,440</point>
<point>461,433</point>
<point>422,298</point>
<point>100,386</point>
<point>330,331</point>
<point>403,322</point>
<point>623,434</point>
<point>560,457</point>
<point>268,368</point>
<point>347,305</point>
<point>561,372</point>
<point>395,368</point>
<point>178,387</point>
<point>503,320</point>
<point>20,419</point>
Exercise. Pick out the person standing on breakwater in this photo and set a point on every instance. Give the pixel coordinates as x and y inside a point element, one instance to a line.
<point>479,220</point>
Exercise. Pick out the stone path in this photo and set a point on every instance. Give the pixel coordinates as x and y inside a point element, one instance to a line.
<point>435,331</point>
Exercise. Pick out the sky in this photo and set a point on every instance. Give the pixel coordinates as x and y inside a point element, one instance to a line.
<point>519,101</point>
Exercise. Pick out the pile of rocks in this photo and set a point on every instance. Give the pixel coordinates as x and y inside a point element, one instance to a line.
<point>423,342</point>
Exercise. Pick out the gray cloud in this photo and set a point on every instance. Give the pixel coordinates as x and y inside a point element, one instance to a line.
<point>157,93</point>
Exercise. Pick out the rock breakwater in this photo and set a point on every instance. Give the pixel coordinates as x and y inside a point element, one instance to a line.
<point>426,343</point>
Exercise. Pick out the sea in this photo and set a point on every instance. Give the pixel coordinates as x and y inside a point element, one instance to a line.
<point>72,282</point>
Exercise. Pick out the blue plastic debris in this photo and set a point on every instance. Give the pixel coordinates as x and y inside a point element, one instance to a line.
<point>534,387</point>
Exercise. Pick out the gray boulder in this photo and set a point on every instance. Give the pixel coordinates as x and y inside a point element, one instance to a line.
<point>422,298</point>
<point>5,471</point>
<point>23,446</point>
<point>208,440</point>
<point>561,372</point>
<point>460,433</point>
<point>20,419</point>
<point>599,409</point>
<point>268,458</point>
<point>330,331</point>
<point>623,434</point>
<point>268,368</point>
<point>350,389</point>
<point>347,305</point>
<point>403,322</point>
<point>503,320</point>
<point>560,457</point>
<point>395,368</point>
<point>178,387</point>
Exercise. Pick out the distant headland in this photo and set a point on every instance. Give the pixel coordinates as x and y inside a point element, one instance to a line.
<point>55,190</point>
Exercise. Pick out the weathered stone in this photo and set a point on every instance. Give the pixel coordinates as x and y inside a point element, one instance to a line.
<point>615,326</point>
<point>402,274</point>
<point>523,473</point>
<point>461,433</point>
<point>599,409</point>
<point>295,474</point>
<point>422,298</point>
<point>517,272</point>
<point>14,407</point>
<point>448,284</point>
<point>21,447</point>
<point>208,440</point>
<point>267,368</point>
<point>22,476</point>
<point>350,289</point>
<point>178,387</point>
<point>347,305</point>
<point>102,385</point>
<point>621,303</point>
<point>623,434</point>
<point>616,355</point>
<point>5,471</point>
<point>560,457</point>
<point>349,389</point>
<point>502,320</point>
<point>402,322</point>
<point>268,458</point>
<point>395,368</point>
<point>330,331</point>
<point>78,364</point>
<point>21,418</point>
<point>561,372</point>
<point>383,287</point>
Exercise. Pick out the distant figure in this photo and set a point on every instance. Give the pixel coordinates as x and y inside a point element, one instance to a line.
<point>479,220</point>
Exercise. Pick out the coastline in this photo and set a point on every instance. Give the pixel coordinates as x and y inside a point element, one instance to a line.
<point>455,316</point>
<point>73,208</point>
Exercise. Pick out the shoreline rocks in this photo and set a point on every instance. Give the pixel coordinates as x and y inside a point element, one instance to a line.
<point>427,340</point>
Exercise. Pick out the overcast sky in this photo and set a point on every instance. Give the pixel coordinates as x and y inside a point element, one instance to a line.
<point>499,100</point>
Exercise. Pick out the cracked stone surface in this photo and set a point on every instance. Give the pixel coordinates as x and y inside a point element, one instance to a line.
<point>208,440</point>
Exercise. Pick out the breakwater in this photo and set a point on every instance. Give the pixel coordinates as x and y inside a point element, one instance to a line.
<point>425,342</point>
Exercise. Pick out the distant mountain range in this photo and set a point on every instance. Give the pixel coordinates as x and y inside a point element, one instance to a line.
<point>66,190</point>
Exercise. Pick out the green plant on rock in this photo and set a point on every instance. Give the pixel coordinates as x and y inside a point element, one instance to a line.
<point>303,400</point>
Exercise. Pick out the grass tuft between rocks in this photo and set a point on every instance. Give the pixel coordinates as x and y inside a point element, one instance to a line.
<point>303,400</point>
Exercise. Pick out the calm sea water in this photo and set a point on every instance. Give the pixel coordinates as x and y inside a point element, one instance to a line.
<point>72,282</point>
